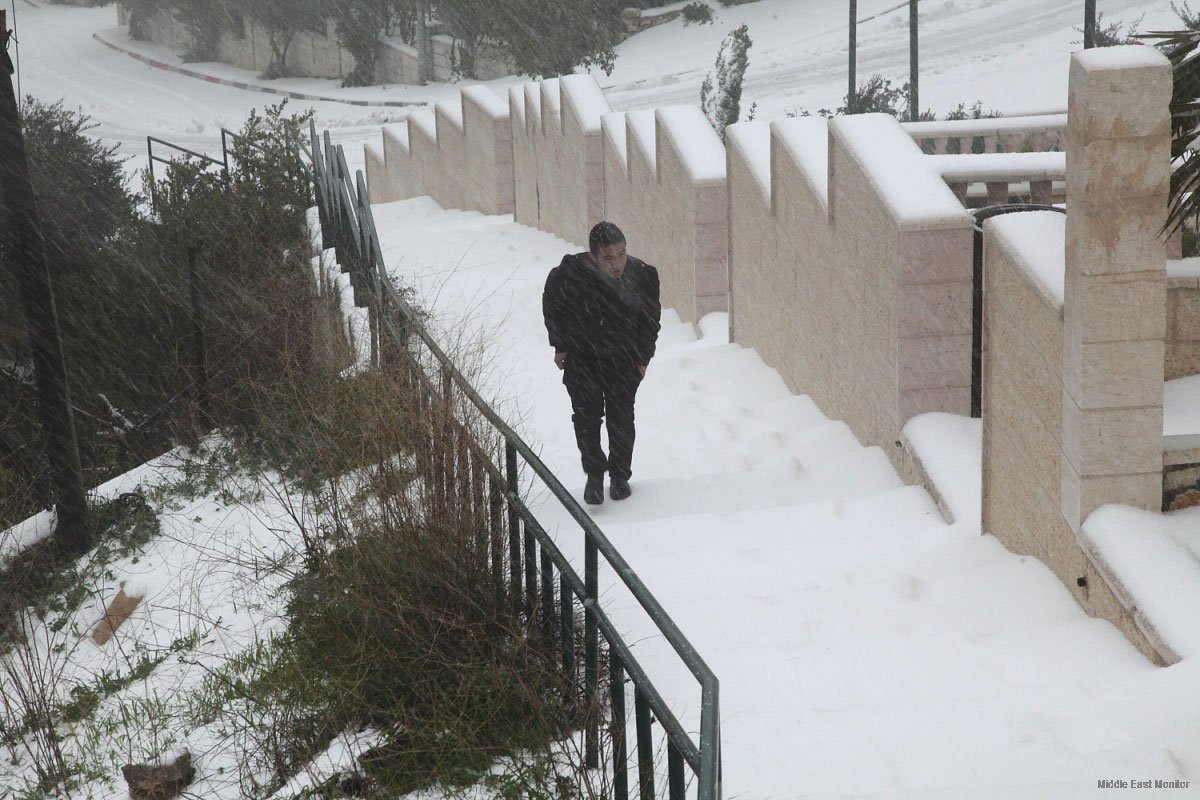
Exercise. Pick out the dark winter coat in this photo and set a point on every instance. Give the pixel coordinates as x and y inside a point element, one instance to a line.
<point>593,316</point>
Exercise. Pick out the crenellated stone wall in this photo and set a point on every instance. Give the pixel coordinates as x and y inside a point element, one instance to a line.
<point>843,254</point>
<point>460,154</point>
<point>664,186</point>
<point>558,155</point>
<point>845,238</point>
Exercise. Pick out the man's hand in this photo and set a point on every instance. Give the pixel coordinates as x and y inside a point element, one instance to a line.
<point>560,360</point>
<point>641,370</point>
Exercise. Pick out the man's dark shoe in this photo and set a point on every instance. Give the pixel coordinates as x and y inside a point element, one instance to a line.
<point>619,489</point>
<point>593,493</point>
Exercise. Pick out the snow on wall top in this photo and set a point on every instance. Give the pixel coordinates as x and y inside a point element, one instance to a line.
<point>487,101</point>
<point>699,147</point>
<point>1036,123</point>
<point>967,167</point>
<point>1127,56</point>
<point>452,112</point>
<point>1183,268</point>
<point>516,104</point>
<point>806,140</point>
<point>425,122</point>
<point>915,194</point>
<point>753,141</point>
<point>1181,413</point>
<point>1156,560</point>
<point>588,100</point>
<point>641,128</point>
<point>1038,240</point>
<point>399,132</point>
<point>613,126</point>
<point>549,103</point>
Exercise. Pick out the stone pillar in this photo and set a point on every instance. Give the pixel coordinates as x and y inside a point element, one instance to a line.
<point>1114,314</point>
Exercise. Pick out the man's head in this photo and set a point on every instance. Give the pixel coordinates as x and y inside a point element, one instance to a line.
<point>607,245</point>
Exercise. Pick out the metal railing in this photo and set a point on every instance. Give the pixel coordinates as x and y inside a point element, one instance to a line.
<point>544,585</point>
<point>175,152</point>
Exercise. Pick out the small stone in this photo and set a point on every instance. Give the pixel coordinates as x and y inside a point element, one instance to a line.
<point>159,781</point>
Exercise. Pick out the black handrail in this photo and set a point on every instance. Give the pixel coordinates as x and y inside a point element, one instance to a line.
<point>348,226</point>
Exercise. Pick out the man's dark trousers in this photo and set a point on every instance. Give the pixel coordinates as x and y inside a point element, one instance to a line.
<point>603,388</point>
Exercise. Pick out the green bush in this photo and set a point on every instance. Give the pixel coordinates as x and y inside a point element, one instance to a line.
<point>698,13</point>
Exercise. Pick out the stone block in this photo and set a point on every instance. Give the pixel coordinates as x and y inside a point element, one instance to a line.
<point>935,309</point>
<point>1101,375</point>
<point>1121,307</point>
<point>1183,359</point>
<point>953,400</point>
<point>1185,315</point>
<point>1108,103</point>
<point>1013,297</point>
<point>712,204</point>
<point>1083,495</point>
<point>1119,168</point>
<point>1123,235</point>
<point>1039,385</point>
<point>1112,441</point>
<point>712,277</point>
<point>1021,510</point>
<point>934,362</point>
<point>1041,444</point>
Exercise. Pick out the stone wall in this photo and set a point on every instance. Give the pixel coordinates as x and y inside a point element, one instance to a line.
<point>319,54</point>
<point>460,154</point>
<point>843,238</point>
<point>664,186</point>
<point>1075,312</point>
<point>558,155</point>
<point>846,257</point>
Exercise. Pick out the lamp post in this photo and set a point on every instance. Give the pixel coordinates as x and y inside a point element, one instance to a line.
<point>914,105</point>
<point>853,90</point>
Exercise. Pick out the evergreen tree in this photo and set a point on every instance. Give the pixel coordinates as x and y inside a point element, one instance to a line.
<point>721,92</point>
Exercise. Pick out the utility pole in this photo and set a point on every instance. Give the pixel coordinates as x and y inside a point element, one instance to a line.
<point>914,106</point>
<point>850,94</point>
<point>1089,24</point>
<point>21,237</point>
<point>424,54</point>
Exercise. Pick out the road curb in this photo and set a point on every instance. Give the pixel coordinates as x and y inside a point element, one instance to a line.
<point>251,87</point>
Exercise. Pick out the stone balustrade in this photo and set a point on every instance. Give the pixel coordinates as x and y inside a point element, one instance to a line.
<point>996,178</point>
<point>1026,134</point>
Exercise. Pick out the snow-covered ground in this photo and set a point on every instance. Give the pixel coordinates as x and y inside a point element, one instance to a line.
<point>865,647</point>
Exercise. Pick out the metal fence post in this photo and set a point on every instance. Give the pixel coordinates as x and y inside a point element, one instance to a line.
<point>514,527</point>
<point>591,653</point>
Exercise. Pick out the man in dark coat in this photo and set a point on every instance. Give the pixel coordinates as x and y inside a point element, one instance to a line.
<point>602,314</point>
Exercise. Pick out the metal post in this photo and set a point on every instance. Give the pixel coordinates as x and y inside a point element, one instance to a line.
<point>676,787</point>
<point>199,358</point>
<point>914,105</point>
<point>853,90</point>
<point>22,237</point>
<point>616,675</point>
<point>645,744</point>
<point>591,652</point>
<point>424,57</point>
<point>514,527</point>
<point>566,605</point>
<point>1089,24</point>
